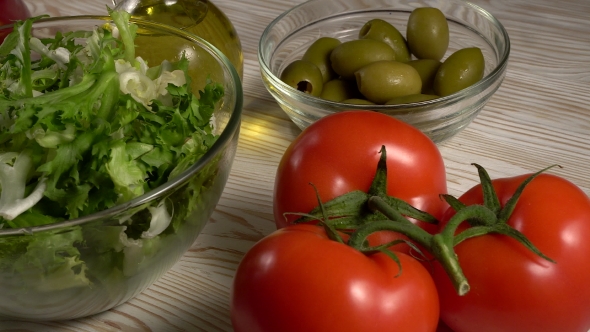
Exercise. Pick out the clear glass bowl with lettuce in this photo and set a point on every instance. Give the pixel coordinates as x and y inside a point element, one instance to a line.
<point>113,155</point>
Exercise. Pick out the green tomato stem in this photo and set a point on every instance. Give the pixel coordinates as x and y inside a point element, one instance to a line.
<point>442,249</point>
<point>414,232</point>
<point>476,212</point>
<point>439,245</point>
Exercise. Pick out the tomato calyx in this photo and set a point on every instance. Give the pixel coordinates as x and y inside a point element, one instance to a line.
<point>361,214</point>
<point>490,217</point>
<point>350,210</point>
<point>360,245</point>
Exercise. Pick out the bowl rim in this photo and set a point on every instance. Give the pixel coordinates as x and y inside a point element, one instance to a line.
<point>398,109</point>
<point>231,129</point>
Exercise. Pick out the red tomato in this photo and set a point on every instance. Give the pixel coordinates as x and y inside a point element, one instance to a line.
<point>442,327</point>
<point>339,154</point>
<point>512,289</point>
<point>297,279</point>
<point>11,10</point>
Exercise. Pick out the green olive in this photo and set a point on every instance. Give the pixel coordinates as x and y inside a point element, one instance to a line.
<point>350,56</point>
<point>410,99</point>
<point>460,70</point>
<point>339,90</point>
<point>358,101</point>
<point>427,69</point>
<point>379,29</point>
<point>303,76</point>
<point>319,54</point>
<point>428,33</point>
<point>384,80</point>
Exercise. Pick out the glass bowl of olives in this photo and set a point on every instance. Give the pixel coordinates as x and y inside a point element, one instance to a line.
<point>433,64</point>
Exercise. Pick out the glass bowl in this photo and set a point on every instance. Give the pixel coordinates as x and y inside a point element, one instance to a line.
<point>40,280</point>
<point>287,37</point>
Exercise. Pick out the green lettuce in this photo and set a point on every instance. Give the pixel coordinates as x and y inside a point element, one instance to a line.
<point>85,126</point>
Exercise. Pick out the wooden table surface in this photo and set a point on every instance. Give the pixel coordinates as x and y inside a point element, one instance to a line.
<point>539,116</point>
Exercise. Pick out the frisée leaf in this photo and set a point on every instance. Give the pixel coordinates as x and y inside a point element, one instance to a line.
<point>85,125</point>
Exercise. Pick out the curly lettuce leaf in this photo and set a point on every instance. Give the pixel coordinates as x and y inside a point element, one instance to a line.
<point>50,260</point>
<point>76,139</point>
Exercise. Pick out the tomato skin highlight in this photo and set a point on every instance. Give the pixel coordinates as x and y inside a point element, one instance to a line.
<point>512,289</point>
<point>297,279</point>
<point>339,153</point>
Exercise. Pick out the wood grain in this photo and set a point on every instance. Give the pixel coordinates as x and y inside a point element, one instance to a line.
<point>539,116</point>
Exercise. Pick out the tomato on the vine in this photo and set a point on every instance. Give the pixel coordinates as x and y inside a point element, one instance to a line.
<point>298,279</point>
<point>338,154</point>
<point>512,288</point>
